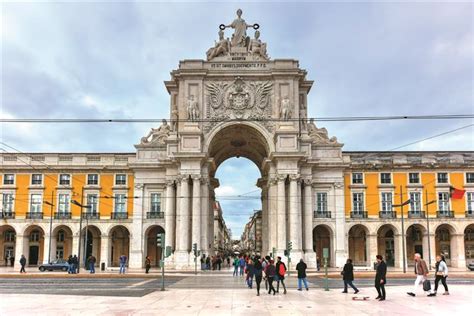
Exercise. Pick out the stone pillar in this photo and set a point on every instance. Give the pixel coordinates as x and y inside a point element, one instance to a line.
<point>397,240</point>
<point>294,217</point>
<point>372,249</point>
<point>137,238</point>
<point>196,215</point>
<point>458,252</point>
<point>178,215</point>
<point>104,250</point>
<point>170,216</point>
<point>19,249</point>
<point>310,255</point>
<point>205,216</point>
<point>272,214</point>
<point>75,244</point>
<point>281,214</point>
<point>182,253</point>
<point>341,242</point>
<point>47,248</point>
<point>265,228</point>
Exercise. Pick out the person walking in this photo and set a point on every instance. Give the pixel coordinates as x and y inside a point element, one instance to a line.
<point>318,264</point>
<point>250,272</point>
<point>12,261</point>
<point>280,272</point>
<point>242,265</point>
<point>380,278</point>
<point>441,275</point>
<point>92,262</point>
<point>301,268</point>
<point>23,264</point>
<point>258,269</point>
<point>6,261</point>
<point>236,266</point>
<point>270,272</point>
<point>75,264</point>
<point>421,271</point>
<point>147,264</point>
<point>264,266</point>
<point>348,276</point>
<point>122,261</point>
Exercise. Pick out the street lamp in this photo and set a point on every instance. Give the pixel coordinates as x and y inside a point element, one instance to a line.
<point>428,226</point>
<point>50,223</point>
<point>401,205</point>
<point>80,231</point>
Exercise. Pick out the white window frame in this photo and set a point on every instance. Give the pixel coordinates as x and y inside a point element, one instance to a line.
<point>409,178</point>
<point>386,205</point>
<point>116,204</point>
<point>12,202</point>
<point>360,202</point>
<point>39,208</point>
<point>67,206</point>
<point>41,179</point>
<point>362,176</point>
<point>412,204</point>
<point>152,202</point>
<point>444,202</point>
<point>98,179</point>
<point>447,178</point>
<point>380,178</point>
<point>65,185</point>
<point>119,174</point>
<point>465,177</point>
<point>323,203</point>
<point>5,177</point>
<point>90,210</point>
<point>470,202</point>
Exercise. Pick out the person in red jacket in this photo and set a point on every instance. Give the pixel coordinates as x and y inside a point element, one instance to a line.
<point>280,272</point>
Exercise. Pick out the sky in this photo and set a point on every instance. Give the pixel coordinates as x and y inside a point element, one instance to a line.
<point>109,59</point>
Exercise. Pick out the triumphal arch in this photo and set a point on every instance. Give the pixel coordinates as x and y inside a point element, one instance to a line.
<point>239,102</point>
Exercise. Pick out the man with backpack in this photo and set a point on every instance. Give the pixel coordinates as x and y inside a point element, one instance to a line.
<point>280,272</point>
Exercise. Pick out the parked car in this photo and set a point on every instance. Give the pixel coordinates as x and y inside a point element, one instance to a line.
<point>59,264</point>
<point>470,265</point>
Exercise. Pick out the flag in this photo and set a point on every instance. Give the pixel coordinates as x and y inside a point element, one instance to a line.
<point>456,194</point>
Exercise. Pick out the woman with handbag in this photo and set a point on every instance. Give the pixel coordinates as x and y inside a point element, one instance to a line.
<point>348,276</point>
<point>441,275</point>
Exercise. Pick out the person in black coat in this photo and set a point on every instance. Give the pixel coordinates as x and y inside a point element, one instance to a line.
<point>301,268</point>
<point>380,279</point>
<point>23,264</point>
<point>348,276</point>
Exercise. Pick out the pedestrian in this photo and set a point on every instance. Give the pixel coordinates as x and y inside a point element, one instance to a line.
<point>219,262</point>
<point>421,271</point>
<point>123,262</point>
<point>147,264</point>
<point>12,261</point>
<point>348,276</point>
<point>264,266</point>
<point>318,264</point>
<point>270,272</point>
<point>92,260</point>
<point>6,261</point>
<point>75,264</point>
<point>301,268</point>
<point>258,270</point>
<point>280,273</point>
<point>250,272</point>
<point>440,275</point>
<point>236,266</point>
<point>203,262</point>
<point>380,278</point>
<point>208,263</point>
<point>228,261</point>
<point>70,265</point>
<point>242,265</point>
<point>23,264</point>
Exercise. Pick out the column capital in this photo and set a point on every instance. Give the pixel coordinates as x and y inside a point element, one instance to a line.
<point>139,186</point>
<point>196,177</point>
<point>294,177</point>
<point>205,181</point>
<point>183,178</point>
<point>169,183</point>
<point>307,181</point>
<point>281,177</point>
<point>338,185</point>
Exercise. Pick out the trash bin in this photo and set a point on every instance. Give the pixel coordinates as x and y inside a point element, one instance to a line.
<point>102,266</point>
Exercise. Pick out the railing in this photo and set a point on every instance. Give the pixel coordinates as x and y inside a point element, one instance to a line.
<point>7,215</point>
<point>155,215</point>
<point>62,215</point>
<point>445,214</point>
<point>390,214</point>
<point>34,215</point>
<point>119,215</point>
<point>358,214</point>
<point>89,215</point>
<point>469,213</point>
<point>322,214</point>
<point>420,214</point>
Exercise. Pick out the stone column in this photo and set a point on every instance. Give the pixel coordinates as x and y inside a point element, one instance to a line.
<point>196,215</point>
<point>372,249</point>
<point>137,243</point>
<point>398,241</point>
<point>170,216</point>
<point>104,250</point>
<point>340,233</point>
<point>19,249</point>
<point>294,217</point>
<point>75,244</point>
<point>281,214</point>
<point>272,213</point>
<point>265,227</point>
<point>458,253</point>
<point>310,255</point>
<point>178,215</point>
<point>182,253</point>
<point>205,216</point>
<point>47,248</point>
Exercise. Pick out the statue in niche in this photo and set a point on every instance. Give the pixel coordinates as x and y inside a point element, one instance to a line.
<point>193,109</point>
<point>303,119</point>
<point>221,47</point>
<point>320,135</point>
<point>239,38</point>
<point>257,47</point>
<point>158,135</point>
<point>285,108</point>
<point>174,118</point>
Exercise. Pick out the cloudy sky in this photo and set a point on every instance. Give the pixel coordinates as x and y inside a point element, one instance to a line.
<point>109,60</point>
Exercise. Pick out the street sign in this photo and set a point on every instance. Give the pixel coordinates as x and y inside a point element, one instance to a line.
<point>325,252</point>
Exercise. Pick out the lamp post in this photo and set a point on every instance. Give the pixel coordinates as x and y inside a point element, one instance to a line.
<point>80,231</point>
<point>401,205</point>
<point>428,226</point>
<point>50,223</point>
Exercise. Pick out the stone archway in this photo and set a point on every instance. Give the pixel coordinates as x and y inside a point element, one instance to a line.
<point>152,250</point>
<point>444,242</point>
<point>469,243</point>
<point>358,250</point>
<point>386,244</point>
<point>119,244</point>
<point>322,238</point>
<point>7,245</point>
<point>90,244</point>
<point>416,242</point>
<point>34,245</point>
<point>61,242</point>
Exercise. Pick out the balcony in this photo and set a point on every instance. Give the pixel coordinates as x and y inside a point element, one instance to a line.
<point>416,214</point>
<point>62,215</point>
<point>445,214</point>
<point>322,214</point>
<point>90,215</point>
<point>119,215</point>
<point>153,215</point>
<point>388,215</point>
<point>7,215</point>
<point>469,213</point>
<point>34,215</point>
<point>358,214</point>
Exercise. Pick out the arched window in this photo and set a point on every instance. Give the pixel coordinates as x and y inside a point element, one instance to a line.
<point>469,235</point>
<point>35,236</point>
<point>61,235</point>
<point>9,236</point>
<point>443,235</point>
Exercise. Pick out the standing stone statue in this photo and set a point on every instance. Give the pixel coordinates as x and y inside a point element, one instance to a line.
<point>239,38</point>
<point>193,109</point>
<point>285,108</point>
<point>174,118</point>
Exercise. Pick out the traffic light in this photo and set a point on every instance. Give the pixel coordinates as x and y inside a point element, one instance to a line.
<point>290,246</point>
<point>195,249</point>
<point>285,252</point>
<point>160,240</point>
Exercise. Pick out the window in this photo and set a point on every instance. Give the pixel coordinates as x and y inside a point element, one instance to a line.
<point>443,177</point>
<point>155,202</point>
<point>321,202</point>
<point>35,236</point>
<point>120,203</point>
<point>59,252</point>
<point>7,202</point>
<point>470,202</point>
<point>358,202</point>
<point>120,179</point>
<point>35,203</point>
<point>92,179</point>
<point>61,235</point>
<point>386,201</point>
<point>357,178</point>
<point>443,201</point>
<point>36,179</point>
<point>92,200</point>
<point>64,179</point>
<point>9,236</point>
<point>64,202</point>
<point>8,179</point>
<point>415,202</point>
<point>470,177</point>
<point>414,177</point>
<point>385,178</point>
